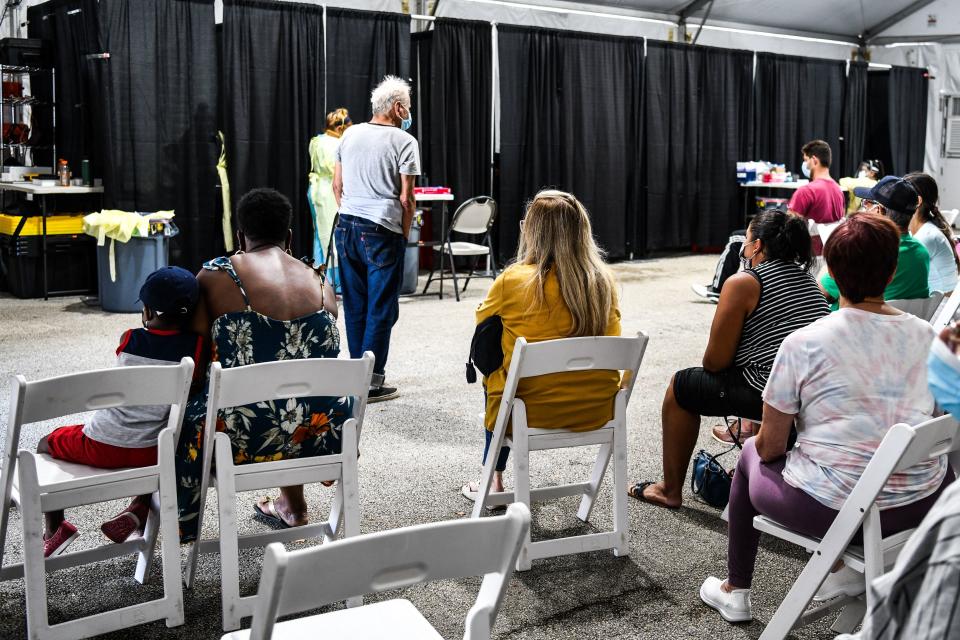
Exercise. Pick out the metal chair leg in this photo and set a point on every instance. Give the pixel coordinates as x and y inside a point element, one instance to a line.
<point>453,271</point>
<point>429,280</point>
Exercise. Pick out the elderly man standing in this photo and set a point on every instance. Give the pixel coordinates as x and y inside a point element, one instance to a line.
<point>373,183</point>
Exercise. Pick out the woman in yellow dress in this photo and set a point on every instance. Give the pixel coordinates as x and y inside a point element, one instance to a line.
<point>558,287</point>
<point>323,149</point>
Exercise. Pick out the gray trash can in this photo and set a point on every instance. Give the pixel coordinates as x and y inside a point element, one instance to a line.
<point>135,260</point>
<point>411,258</point>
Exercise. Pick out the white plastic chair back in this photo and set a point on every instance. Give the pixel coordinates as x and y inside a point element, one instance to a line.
<point>238,386</point>
<point>923,308</point>
<point>826,228</point>
<point>950,215</point>
<point>571,354</point>
<point>88,391</point>
<point>475,216</point>
<point>395,559</point>
<point>947,311</point>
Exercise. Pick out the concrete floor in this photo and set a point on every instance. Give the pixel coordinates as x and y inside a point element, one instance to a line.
<point>417,452</point>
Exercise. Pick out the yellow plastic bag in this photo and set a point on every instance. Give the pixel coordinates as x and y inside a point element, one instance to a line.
<point>119,225</point>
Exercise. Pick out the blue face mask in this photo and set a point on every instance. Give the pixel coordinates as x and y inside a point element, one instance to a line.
<point>407,122</point>
<point>806,170</point>
<point>943,377</point>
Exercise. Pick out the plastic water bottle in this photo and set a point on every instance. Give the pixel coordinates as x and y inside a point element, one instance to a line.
<point>64,172</point>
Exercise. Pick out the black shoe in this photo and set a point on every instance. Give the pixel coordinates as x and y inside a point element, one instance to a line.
<point>381,394</point>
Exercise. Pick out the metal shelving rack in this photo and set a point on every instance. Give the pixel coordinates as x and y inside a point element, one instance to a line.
<point>7,70</point>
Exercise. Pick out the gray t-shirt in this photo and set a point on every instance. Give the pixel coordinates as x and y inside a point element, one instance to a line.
<point>130,427</point>
<point>373,157</point>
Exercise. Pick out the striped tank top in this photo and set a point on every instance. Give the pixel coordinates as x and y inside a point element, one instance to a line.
<point>789,299</point>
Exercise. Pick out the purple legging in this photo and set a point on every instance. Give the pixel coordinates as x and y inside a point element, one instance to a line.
<point>759,488</point>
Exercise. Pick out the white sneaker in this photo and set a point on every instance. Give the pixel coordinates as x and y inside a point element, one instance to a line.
<point>734,606</point>
<point>706,291</point>
<point>845,582</point>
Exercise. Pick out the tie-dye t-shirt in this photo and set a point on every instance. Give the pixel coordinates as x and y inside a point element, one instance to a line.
<point>848,378</point>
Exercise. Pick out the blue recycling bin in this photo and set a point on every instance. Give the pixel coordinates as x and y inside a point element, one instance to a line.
<point>134,260</point>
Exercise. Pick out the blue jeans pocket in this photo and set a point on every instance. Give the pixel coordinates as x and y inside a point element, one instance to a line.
<point>381,249</point>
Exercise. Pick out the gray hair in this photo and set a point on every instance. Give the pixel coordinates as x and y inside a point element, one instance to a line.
<point>388,93</point>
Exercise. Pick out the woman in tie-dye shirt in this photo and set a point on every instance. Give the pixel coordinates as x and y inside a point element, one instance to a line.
<point>845,380</point>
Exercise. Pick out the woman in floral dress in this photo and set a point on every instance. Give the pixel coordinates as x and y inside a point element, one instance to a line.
<point>262,305</point>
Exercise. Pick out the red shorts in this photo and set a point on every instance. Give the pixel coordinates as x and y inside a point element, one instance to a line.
<point>70,444</point>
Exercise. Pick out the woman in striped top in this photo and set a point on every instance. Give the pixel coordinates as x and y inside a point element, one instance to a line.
<point>772,296</point>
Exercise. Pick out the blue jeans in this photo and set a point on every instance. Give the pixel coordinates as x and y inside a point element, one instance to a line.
<point>504,452</point>
<point>371,271</point>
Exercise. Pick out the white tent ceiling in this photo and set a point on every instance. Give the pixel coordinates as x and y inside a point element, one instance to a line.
<point>847,19</point>
<point>875,21</point>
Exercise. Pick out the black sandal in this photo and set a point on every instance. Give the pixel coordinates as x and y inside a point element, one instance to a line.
<point>636,492</point>
<point>270,516</point>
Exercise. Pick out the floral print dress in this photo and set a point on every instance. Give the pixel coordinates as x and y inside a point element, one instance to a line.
<point>265,431</point>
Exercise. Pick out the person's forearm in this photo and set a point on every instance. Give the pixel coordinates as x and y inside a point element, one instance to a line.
<point>337,192</point>
<point>409,208</point>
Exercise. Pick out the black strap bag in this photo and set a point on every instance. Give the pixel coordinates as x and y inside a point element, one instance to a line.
<point>486,349</point>
<point>710,480</point>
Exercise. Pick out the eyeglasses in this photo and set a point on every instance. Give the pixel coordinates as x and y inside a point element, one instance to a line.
<point>869,205</point>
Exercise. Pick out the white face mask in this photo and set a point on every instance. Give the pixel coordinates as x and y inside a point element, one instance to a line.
<point>745,262</point>
<point>862,175</point>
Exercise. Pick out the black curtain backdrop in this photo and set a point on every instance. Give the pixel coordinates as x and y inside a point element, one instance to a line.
<point>797,100</point>
<point>460,108</point>
<point>421,51</point>
<point>877,144</point>
<point>907,100</point>
<point>159,99</point>
<point>362,47</point>
<point>697,118</point>
<point>569,109</point>
<point>71,31</point>
<point>273,100</point>
<point>854,119</point>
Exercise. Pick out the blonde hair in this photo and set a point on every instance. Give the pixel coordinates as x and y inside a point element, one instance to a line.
<point>557,236</point>
<point>338,120</point>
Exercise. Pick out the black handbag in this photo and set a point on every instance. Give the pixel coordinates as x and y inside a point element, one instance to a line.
<point>486,349</point>
<point>710,480</point>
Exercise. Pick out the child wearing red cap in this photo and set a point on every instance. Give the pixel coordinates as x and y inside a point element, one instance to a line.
<point>125,437</point>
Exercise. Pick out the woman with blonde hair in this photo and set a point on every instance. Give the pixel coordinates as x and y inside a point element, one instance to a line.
<point>558,287</point>
<point>323,205</point>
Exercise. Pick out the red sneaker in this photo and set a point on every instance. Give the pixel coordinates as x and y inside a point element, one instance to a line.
<point>124,524</point>
<point>57,543</point>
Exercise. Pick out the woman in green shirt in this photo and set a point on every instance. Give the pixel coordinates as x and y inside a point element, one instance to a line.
<point>896,199</point>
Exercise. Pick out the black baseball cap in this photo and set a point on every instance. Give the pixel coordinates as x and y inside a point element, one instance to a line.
<point>170,290</point>
<point>895,194</point>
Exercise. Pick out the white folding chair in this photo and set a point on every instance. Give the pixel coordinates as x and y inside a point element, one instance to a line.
<point>238,386</point>
<point>473,217</point>
<point>824,229</point>
<point>923,308</point>
<point>298,581</point>
<point>902,447</point>
<point>950,215</point>
<point>947,311</point>
<point>555,356</point>
<point>37,483</point>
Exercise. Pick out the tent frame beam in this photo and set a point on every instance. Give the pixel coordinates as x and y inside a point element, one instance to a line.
<point>684,14</point>
<point>869,35</point>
